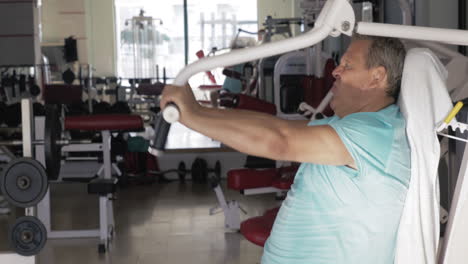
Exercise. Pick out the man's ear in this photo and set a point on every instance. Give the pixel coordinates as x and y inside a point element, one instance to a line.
<point>379,77</point>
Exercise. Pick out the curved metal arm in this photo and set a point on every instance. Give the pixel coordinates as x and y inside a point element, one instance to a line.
<point>337,17</point>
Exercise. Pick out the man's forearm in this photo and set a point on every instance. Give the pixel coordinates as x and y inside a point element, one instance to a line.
<point>246,131</point>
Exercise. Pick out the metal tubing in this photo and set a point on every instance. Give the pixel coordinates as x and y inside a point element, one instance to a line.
<point>41,142</point>
<point>450,36</point>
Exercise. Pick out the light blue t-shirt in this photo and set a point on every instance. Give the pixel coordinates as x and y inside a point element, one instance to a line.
<point>338,215</point>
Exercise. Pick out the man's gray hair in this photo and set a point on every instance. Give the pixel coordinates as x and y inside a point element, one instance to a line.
<point>389,53</point>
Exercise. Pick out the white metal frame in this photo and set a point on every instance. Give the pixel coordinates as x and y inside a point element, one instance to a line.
<point>232,208</point>
<point>106,214</point>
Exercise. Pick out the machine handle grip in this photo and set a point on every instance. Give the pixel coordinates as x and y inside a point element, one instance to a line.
<point>171,113</point>
<point>161,130</point>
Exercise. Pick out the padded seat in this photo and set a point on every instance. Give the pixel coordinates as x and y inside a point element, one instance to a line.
<point>257,229</point>
<point>241,179</point>
<point>112,122</point>
<point>281,178</point>
<point>283,183</point>
<point>254,104</point>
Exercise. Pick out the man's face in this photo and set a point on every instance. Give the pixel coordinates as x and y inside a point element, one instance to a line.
<point>352,80</point>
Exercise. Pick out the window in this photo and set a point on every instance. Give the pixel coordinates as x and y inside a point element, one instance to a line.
<point>211,24</point>
<point>156,42</point>
<point>214,24</point>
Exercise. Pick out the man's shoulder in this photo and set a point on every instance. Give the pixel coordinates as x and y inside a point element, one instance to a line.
<point>387,118</point>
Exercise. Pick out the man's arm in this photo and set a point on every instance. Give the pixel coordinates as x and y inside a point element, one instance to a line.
<point>271,137</point>
<point>260,134</point>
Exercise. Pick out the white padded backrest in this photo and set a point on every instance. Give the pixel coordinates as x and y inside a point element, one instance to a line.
<point>424,102</point>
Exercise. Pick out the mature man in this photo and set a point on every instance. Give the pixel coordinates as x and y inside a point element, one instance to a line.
<point>348,195</point>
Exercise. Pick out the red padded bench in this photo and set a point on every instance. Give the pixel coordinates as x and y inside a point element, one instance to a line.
<point>257,229</point>
<point>246,102</point>
<point>105,124</point>
<point>243,179</point>
<point>111,122</point>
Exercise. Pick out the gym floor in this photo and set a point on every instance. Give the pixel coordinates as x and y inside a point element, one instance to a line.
<point>158,223</point>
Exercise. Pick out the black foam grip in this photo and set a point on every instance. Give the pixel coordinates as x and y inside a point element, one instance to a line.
<point>161,129</point>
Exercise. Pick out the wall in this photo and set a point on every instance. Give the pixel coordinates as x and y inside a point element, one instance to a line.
<point>90,22</point>
<point>100,24</point>
<point>437,13</point>
<point>274,8</point>
<point>64,18</point>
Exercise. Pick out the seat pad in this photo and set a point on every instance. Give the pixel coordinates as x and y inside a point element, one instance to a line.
<point>257,229</point>
<point>241,179</point>
<point>281,178</point>
<point>110,122</point>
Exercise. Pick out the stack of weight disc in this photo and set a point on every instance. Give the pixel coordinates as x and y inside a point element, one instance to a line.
<point>23,183</point>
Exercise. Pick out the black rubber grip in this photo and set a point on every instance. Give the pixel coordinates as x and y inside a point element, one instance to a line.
<point>161,129</point>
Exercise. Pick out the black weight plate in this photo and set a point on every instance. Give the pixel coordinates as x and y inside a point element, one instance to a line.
<point>34,90</point>
<point>102,108</point>
<point>120,108</point>
<point>182,171</point>
<point>38,109</point>
<point>13,115</point>
<point>23,182</point>
<point>199,171</point>
<point>28,236</point>
<point>68,76</point>
<point>53,151</point>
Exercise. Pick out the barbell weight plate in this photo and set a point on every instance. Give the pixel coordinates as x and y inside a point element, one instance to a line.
<point>38,109</point>
<point>23,182</point>
<point>199,171</point>
<point>53,132</point>
<point>102,108</point>
<point>68,76</point>
<point>182,171</point>
<point>120,108</point>
<point>28,236</point>
<point>13,115</point>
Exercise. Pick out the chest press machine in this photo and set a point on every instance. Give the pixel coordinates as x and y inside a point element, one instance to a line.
<point>337,17</point>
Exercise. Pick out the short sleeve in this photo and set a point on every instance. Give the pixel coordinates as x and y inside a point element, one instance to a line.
<point>367,137</point>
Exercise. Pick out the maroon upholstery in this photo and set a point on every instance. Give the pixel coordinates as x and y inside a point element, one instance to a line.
<point>315,89</point>
<point>62,94</point>
<point>251,103</point>
<point>257,229</point>
<point>104,122</point>
<point>240,179</point>
<point>272,212</point>
<point>281,178</point>
<point>283,183</point>
<point>150,89</point>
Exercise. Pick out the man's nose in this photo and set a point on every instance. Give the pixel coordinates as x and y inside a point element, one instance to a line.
<point>337,72</point>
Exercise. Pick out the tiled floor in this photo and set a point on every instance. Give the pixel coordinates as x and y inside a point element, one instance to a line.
<point>159,223</point>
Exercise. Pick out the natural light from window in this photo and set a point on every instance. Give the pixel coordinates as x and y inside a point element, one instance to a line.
<point>211,24</point>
